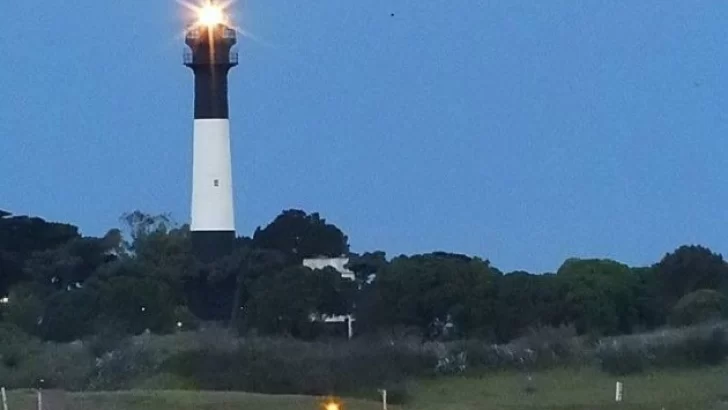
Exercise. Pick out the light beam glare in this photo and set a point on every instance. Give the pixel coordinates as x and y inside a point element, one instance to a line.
<point>211,16</point>
<point>208,12</point>
<point>188,6</point>
<point>203,12</point>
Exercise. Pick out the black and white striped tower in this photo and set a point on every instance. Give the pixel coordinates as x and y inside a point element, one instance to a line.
<point>210,57</point>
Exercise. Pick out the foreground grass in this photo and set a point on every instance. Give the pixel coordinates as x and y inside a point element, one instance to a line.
<point>577,390</point>
<point>183,400</point>
<point>553,390</point>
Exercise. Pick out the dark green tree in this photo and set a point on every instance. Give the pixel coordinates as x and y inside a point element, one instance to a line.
<point>25,309</point>
<point>133,303</point>
<point>649,300</point>
<point>20,237</point>
<point>366,265</point>
<point>600,295</point>
<point>243,268</point>
<point>69,315</point>
<point>287,302</point>
<point>526,301</point>
<point>54,302</point>
<point>299,235</point>
<point>364,299</point>
<point>687,269</point>
<point>160,248</point>
<point>69,265</point>
<point>424,291</point>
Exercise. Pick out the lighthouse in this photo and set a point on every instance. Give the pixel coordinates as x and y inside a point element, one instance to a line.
<point>210,55</point>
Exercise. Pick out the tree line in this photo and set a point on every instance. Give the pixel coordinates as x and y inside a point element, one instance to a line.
<point>62,286</point>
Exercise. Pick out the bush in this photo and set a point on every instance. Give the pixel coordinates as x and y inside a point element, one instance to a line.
<point>686,347</point>
<point>547,347</point>
<point>185,319</point>
<point>25,309</point>
<point>214,359</point>
<point>294,367</point>
<point>539,349</point>
<point>622,361</point>
<point>107,339</point>
<point>13,343</point>
<point>58,365</point>
<point>710,349</point>
<point>698,307</point>
<point>131,361</point>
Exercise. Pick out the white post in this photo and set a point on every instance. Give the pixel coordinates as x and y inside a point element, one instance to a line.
<point>384,399</point>
<point>618,392</point>
<point>40,400</point>
<point>350,328</point>
<point>5,398</point>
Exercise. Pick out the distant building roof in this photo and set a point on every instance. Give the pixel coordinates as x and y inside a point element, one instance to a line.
<point>325,262</point>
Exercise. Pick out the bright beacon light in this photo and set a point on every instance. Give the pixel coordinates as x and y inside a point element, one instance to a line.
<point>210,15</point>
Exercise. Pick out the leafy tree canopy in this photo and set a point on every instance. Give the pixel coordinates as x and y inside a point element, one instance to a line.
<point>60,285</point>
<point>687,269</point>
<point>299,235</point>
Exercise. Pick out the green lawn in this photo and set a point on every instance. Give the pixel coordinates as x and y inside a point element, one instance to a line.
<point>577,390</point>
<point>554,390</point>
<point>184,400</point>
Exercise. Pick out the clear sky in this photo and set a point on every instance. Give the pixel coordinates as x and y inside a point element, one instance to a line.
<point>521,131</point>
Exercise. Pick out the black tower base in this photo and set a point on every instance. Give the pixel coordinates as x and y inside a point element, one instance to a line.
<point>209,246</point>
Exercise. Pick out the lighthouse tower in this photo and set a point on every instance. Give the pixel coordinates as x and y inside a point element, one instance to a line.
<point>210,57</point>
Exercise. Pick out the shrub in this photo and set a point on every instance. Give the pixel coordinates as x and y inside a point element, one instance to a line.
<point>294,367</point>
<point>698,307</point>
<point>131,361</point>
<point>25,309</point>
<point>214,359</point>
<point>58,365</point>
<point>13,343</point>
<point>62,365</point>
<point>686,347</point>
<point>705,349</point>
<point>538,349</point>
<point>546,347</point>
<point>106,339</point>
<point>620,361</point>
<point>186,320</point>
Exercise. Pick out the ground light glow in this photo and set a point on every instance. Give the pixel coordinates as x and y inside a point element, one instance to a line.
<point>332,404</point>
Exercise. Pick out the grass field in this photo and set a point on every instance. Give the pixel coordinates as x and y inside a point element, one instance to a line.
<point>183,400</point>
<point>554,390</point>
<point>577,390</point>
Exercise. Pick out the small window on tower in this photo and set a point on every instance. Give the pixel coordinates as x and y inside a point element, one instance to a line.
<point>216,182</point>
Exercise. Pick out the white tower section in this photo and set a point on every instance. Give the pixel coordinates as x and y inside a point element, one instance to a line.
<point>212,180</point>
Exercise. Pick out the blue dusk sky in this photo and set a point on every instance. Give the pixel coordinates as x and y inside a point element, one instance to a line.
<point>524,132</point>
